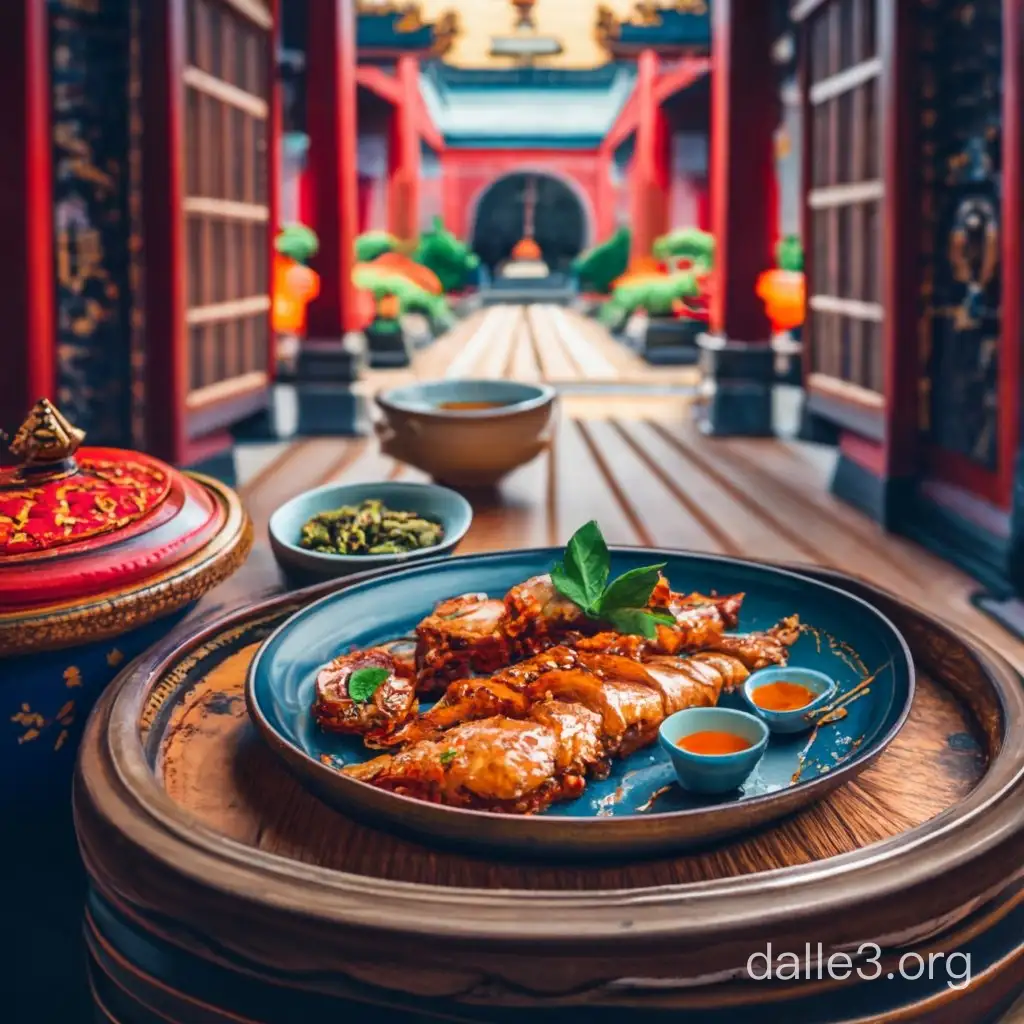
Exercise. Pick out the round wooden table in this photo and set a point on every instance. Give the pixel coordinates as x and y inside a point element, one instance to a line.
<point>220,890</point>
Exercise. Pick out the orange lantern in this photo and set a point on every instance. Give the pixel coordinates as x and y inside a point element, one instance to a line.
<point>295,286</point>
<point>388,307</point>
<point>526,249</point>
<point>783,294</point>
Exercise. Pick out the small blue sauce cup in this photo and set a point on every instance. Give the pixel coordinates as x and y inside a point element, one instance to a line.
<point>800,719</point>
<point>720,747</point>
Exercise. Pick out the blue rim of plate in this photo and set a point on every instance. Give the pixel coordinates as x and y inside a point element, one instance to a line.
<point>554,836</point>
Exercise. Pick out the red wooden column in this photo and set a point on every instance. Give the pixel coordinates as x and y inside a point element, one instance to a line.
<point>1011,402</point>
<point>605,193</point>
<point>744,114</point>
<point>163,63</point>
<point>331,121</point>
<point>275,130</point>
<point>649,175</point>
<point>26,214</point>
<point>404,187</point>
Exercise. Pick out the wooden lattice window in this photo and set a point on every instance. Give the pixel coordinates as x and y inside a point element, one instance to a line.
<point>844,198</point>
<point>228,85</point>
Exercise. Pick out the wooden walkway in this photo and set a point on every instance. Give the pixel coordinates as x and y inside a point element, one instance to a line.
<point>653,480</point>
<point>533,343</point>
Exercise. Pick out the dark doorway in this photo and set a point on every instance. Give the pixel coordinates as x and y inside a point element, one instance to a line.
<point>559,223</point>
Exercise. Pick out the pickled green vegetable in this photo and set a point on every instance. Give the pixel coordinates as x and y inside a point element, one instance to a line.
<point>369,529</point>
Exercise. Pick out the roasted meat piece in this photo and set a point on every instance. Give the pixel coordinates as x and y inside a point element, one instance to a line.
<point>700,622</point>
<point>630,710</point>
<point>463,636</point>
<point>391,704</point>
<point>633,698</point>
<point>759,650</point>
<point>516,766</point>
<point>569,724</point>
<point>538,616</point>
<point>466,700</point>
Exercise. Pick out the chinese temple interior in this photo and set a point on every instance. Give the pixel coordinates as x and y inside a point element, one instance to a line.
<point>763,258</point>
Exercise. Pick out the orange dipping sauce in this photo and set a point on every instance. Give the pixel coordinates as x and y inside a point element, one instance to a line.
<point>710,742</point>
<point>783,696</point>
<point>470,406</point>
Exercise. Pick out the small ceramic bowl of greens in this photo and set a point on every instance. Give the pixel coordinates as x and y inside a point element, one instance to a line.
<point>341,529</point>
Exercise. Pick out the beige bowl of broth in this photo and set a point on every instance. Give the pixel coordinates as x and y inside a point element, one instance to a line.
<point>468,433</point>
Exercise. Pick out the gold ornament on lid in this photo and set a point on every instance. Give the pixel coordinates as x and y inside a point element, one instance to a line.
<point>46,439</point>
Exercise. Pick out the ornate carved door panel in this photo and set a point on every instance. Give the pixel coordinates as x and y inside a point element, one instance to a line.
<point>92,145</point>
<point>844,193</point>
<point>961,118</point>
<point>228,81</point>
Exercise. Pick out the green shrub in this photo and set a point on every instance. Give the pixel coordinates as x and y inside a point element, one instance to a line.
<point>598,267</point>
<point>411,297</point>
<point>372,244</point>
<point>789,254</point>
<point>687,244</point>
<point>656,295</point>
<point>297,242</point>
<point>451,260</point>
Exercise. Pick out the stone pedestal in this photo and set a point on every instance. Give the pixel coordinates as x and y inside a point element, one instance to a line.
<point>671,342</point>
<point>387,349</point>
<point>325,374</point>
<point>739,379</point>
<point>788,350</point>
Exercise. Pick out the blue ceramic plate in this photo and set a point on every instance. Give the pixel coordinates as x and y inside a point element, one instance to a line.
<point>640,808</point>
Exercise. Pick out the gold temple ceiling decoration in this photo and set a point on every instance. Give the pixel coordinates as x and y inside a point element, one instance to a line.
<point>410,15</point>
<point>647,14</point>
<point>409,19</point>
<point>446,30</point>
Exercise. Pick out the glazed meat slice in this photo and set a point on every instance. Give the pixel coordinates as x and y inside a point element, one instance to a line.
<point>538,616</point>
<point>681,683</point>
<point>462,636</point>
<point>516,766</point>
<point>580,751</point>
<point>631,710</point>
<point>685,606</point>
<point>760,650</point>
<point>634,698</point>
<point>466,700</point>
<point>391,704</point>
<point>731,670</point>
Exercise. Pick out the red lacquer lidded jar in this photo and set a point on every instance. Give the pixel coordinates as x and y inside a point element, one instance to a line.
<point>101,551</point>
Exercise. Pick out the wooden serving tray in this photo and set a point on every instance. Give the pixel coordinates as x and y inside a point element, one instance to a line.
<point>216,875</point>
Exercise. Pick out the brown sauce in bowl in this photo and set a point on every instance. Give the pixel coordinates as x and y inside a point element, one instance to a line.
<point>470,406</point>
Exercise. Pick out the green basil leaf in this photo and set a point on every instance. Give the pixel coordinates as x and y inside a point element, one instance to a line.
<point>587,562</point>
<point>364,683</point>
<point>447,756</point>
<point>664,618</point>
<point>632,589</point>
<point>634,621</point>
<point>569,588</point>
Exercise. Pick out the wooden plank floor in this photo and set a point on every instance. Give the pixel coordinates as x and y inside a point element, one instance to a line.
<point>533,343</point>
<point>654,481</point>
